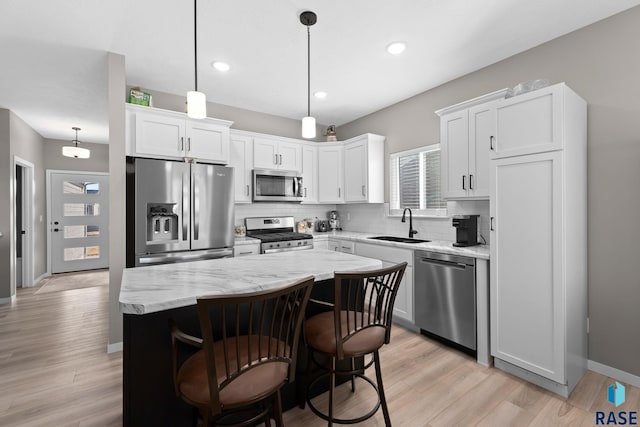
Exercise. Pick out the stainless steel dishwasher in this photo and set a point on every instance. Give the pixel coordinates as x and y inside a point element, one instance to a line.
<point>445,296</point>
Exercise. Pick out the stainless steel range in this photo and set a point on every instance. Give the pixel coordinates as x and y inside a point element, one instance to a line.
<point>277,234</point>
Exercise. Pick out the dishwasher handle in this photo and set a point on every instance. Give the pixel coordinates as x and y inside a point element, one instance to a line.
<point>453,264</point>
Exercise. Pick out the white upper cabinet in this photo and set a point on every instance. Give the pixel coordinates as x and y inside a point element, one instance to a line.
<point>331,173</point>
<point>530,123</point>
<point>273,153</point>
<point>364,169</point>
<point>241,159</point>
<point>156,133</point>
<point>454,140</point>
<point>467,132</point>
<point>482,131</point>
<point>310,173</point>
<point>207,141</point>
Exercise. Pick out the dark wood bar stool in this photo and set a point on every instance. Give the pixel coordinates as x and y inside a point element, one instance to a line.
<point>235,376</point>
<point>358,325</point>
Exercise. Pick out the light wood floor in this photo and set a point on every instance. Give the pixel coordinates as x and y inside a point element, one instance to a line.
<point>54,371</point>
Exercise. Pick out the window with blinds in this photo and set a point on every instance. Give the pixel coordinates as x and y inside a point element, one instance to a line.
<point>415,182</point>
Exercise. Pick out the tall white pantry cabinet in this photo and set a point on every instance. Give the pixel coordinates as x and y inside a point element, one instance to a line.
<point>538,205</point>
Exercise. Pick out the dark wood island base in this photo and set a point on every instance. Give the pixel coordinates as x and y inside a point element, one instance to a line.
<point>149,398</point>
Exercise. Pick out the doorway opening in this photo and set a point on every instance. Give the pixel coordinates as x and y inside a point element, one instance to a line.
<point>24,223</point>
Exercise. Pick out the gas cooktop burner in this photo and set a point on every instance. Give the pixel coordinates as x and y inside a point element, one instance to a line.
<point>281,237</point>
<point>277,234</point>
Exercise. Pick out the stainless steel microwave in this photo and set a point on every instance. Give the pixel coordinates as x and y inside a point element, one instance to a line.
<point>276,186</point>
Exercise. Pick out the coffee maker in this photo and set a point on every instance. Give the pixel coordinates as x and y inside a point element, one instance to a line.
<point>466,230</point>
<point>334,223</point>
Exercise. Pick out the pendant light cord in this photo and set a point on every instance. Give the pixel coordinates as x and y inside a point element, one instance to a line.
<point>195,40</point>
<point>308,72</point>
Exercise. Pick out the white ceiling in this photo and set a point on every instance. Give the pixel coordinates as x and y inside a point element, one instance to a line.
<point>53,52</point>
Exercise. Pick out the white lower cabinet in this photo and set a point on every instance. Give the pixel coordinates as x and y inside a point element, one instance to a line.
<point>344,246</point>
<point>403,307</point>
<point>246,250</point>
<point>320,243</point>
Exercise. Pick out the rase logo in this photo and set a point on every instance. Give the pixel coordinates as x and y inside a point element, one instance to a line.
<point>615,396</point>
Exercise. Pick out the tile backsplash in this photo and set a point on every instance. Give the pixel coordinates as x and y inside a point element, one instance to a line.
<point>373,218</point>
<point>298,211</point>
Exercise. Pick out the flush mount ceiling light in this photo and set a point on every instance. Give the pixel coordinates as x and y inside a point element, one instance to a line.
<point>196,101</point>
<point>320,95</point>
<point>75,151</point>
<point>396,48</point>
<point>308,18</point>
<point>221,66</point>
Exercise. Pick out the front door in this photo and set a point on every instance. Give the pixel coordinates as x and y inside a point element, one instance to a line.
<point>79,221</point>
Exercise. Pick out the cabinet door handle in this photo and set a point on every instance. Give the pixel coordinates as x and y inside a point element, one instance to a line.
<point>245,253</point>
<point>182,143</point>
<point>305,192</point>
<point>247,189</point>
<point>491,139</point>
<point>189,144</point>
<point>491,224</point>
<point>470,182</point>
<point>280,155</point>
<point>363,192</point>
<point>339,193</point>
<point>464,181</point>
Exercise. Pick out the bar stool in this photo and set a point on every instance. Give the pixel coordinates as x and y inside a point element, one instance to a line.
<point>236,375</point>
<point>359,324</point>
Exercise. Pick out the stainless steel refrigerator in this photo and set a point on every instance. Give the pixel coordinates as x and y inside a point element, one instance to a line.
<point>178,211</point>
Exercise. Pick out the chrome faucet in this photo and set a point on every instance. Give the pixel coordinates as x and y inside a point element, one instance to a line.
<point>411,230</point>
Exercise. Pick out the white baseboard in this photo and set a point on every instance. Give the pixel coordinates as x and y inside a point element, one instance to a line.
<point>114,348</point>
<point>8,300</point>
<point>616,374</point>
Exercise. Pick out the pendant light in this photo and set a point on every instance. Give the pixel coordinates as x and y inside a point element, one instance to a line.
<point>196,101</point>
<point>75,151</point>
<point>308,18</point>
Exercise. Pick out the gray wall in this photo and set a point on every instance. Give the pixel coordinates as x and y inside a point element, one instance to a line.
<point>18,139</point>
<point>117,175</point>
<point>6,216</point>
<point>27,144</point>
<point>242,119</point>
<point>601,63</point>
<point>97,162</point>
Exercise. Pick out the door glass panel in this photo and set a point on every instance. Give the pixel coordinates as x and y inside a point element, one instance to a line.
<point>78,231</point>
<point>93,230</point>
<point>92,252</point>
<point>81,209</point>
<point>69,187</point>
<point>74,254</point>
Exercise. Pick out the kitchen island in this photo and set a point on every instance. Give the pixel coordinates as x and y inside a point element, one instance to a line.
<point>150,296</point>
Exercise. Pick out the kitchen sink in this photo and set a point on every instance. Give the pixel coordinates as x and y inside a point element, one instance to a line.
<point>398,239</point>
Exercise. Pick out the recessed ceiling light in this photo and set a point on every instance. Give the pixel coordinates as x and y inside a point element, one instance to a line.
<point>396,48</point>
<point>221,66</point>
<point>320,94</point>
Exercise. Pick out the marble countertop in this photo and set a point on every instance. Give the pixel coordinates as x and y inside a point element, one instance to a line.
<point>443,246</point>
<point>161,287</point>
